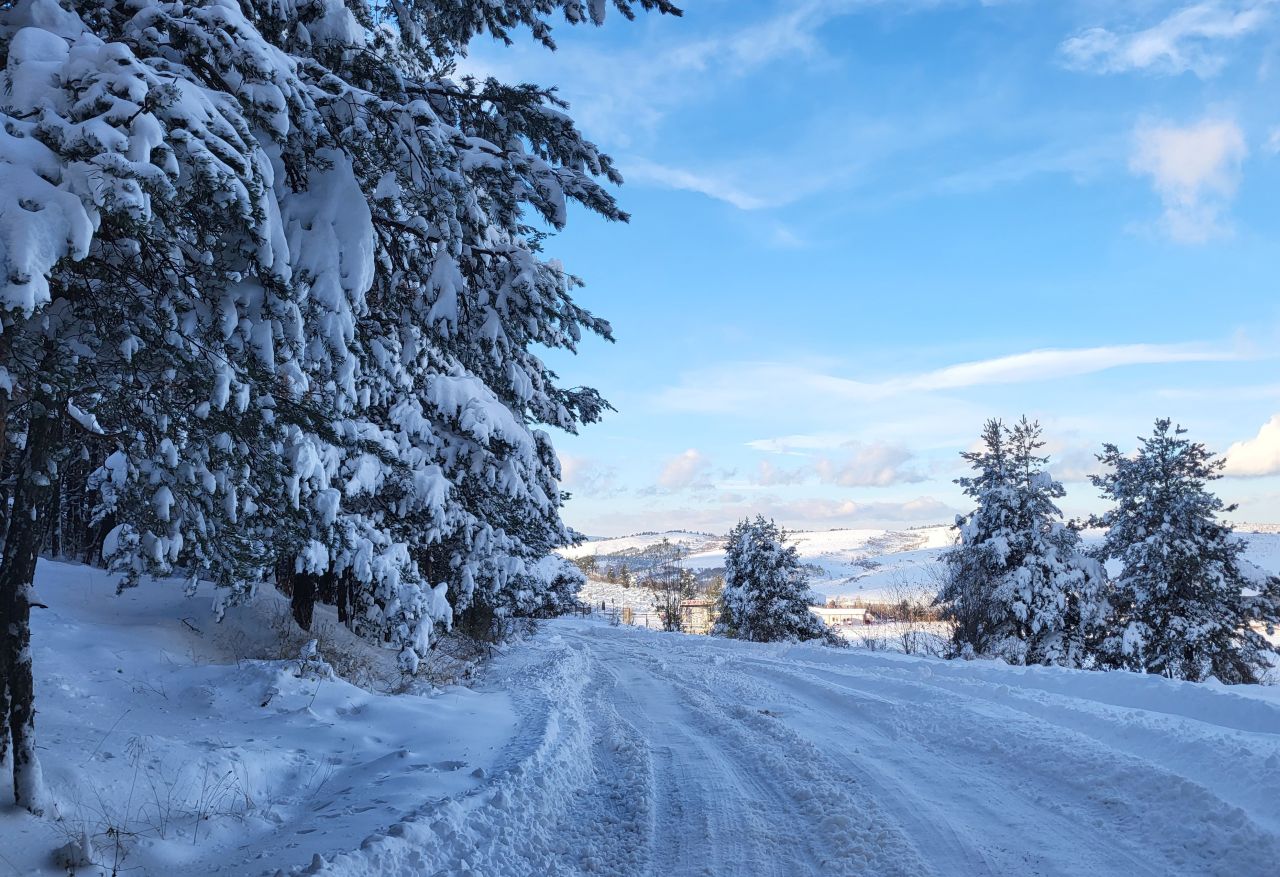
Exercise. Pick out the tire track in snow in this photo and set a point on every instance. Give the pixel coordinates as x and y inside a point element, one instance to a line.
<point>649,754</point>
<point>781,807</point>
<point>1140,817</point>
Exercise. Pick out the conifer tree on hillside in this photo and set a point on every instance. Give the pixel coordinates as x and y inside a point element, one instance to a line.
<point>272,272</point>
<point>1018,586</point>
<point>1180,602</point>
<point>766,594</point>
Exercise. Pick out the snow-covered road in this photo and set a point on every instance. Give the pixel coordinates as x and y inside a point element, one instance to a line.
<point>649,753</point>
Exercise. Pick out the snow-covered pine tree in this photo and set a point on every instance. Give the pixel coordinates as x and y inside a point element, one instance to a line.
<point>446,392</point>
<point>1018,586</point>
<point>1180,605</point>
<point>273,269</point>
<point>766,593</point>
<point>144,302</point>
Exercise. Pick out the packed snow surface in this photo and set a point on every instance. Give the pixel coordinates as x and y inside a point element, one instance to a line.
<point>647,753</point>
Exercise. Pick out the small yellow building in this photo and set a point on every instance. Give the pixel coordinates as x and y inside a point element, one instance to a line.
<point>696,616</point>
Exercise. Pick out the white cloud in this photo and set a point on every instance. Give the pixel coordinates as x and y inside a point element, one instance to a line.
<point>1273,141</point>
<point>1050,364</point>
<point>834,512</point>
<point>878,464</point>
<point>770,475</point>
<point>688,470</point>
<point>1195,170</point>
<point>1259,455</point>
<point>858,464</point>
<point>622,96</point>
<point>583,476</point>
<point>1073,461</point>
<point>800,514</point>
<point>799,445</point>
<point>746,385</point>
<point>785,238</point>
<point>1183,41</point>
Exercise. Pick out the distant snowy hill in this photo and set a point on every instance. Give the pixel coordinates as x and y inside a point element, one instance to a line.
<point>625,546</point>
<point>868,564</point>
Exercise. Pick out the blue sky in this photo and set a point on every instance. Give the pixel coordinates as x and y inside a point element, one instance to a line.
<point>861,228</point>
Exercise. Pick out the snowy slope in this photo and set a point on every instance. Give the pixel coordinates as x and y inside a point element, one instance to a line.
<point>876,576</point>
<point>208,763</point>
<point>645,753</point>
<point>623,545</point>
<point>615,596</point>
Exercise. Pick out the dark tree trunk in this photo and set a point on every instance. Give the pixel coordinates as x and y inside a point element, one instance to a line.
<point>303,599</point>
<point>27,527</point>
<point>4,707</point>
<point>346,600</point>
<point>300,587</point>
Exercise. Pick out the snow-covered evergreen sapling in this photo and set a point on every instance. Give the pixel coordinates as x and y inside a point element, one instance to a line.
<point>766,594</point>
<point>1018,585</point>
<point>1184,607</point>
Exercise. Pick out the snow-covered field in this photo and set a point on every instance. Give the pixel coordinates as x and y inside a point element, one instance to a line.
<point>898,562</point>
<point>640,541</point>
<point>591,749</point>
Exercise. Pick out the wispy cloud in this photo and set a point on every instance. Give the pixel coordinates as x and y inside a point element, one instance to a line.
<point>1187,40</point>
<point>799,445</point>
<point>744,385</point>
<point>1070,458</point>
<point>645,171</point>
<point>1195,169</point>
<point>625,94</point>
<point>811,513</point>
<point>1051,364</point>
<point>769,474</point>
<point>1257,456</point>
<point>847,464</point>
<point>950,141</point>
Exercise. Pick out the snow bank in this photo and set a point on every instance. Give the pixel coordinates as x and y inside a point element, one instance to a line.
<point>156,730</point>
